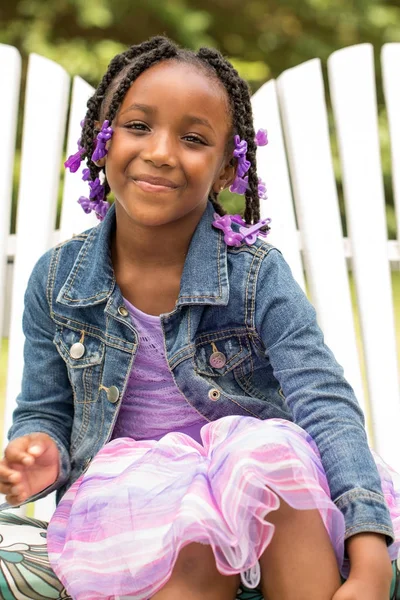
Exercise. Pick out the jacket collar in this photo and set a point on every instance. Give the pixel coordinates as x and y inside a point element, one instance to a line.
<point>204,279</point>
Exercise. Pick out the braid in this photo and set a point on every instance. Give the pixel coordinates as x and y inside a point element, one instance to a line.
<point>164,51</point>
<point>153,50</point>
<point>124,69</point>
<point>242,118</point>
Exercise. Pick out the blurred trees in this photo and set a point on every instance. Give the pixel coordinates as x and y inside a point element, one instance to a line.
<point>261,37</point>
<point>264,37</point>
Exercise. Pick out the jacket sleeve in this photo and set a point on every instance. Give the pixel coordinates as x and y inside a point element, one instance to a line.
<point>321,400</point>
<point>45,403</point>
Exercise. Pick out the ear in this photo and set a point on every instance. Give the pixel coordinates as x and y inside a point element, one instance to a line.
<point>101,163</point>
<point>226,177</point>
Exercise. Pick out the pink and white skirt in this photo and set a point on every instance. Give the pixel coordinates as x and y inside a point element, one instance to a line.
<point>120,527</point>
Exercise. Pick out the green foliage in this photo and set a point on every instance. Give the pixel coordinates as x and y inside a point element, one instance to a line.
<point>261,37</point>
<point>276,34</point>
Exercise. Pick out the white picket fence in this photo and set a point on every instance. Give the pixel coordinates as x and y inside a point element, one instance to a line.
<point>297,166</point>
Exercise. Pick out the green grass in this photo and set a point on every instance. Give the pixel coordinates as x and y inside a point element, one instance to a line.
<point>396,300</point>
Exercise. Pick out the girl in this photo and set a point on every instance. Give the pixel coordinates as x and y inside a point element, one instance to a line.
<point>177,392</point>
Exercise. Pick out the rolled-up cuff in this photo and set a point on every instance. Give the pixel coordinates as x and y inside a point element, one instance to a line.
<point>365,511</point>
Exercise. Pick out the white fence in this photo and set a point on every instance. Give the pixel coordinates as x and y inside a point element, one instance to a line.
<point>297,166</point>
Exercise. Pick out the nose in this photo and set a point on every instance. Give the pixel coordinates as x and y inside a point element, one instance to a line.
<point>160,150</point>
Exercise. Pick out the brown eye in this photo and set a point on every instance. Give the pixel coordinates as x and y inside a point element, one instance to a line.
<point>137,126</point>
<point>194,139</point>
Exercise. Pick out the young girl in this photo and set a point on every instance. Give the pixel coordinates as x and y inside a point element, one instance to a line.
<point>177,392</point>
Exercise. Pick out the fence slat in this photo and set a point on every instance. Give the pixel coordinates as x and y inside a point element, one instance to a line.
<point>302,100</point>
<point>273,169</point>
<point>390,58</point>
<point>73,219</point>
<point>352,84</point>
<point>46,100</point>
<point>10,77</point>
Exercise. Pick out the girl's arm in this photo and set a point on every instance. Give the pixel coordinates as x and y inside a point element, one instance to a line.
<point>45,403</point>
<point>321,400</point>
<point>370,569</point>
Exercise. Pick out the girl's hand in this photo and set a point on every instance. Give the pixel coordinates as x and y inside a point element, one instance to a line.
<point>370,569</point>
<point>367,589</point>
<point>30,465</point>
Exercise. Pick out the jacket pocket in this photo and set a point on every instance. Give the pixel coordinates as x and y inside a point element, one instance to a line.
<point>84,356</point>
<point>217,354</point>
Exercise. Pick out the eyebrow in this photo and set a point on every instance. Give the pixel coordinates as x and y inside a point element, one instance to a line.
<point>142,107</point>
<point>150,110</point>
<point>199,121</point>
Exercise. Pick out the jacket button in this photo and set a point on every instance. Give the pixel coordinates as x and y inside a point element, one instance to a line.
<point>77,350</point>
<point>217,360</point>
<point>123,311</point>
<point>214,394</point>
<point>113,394</point>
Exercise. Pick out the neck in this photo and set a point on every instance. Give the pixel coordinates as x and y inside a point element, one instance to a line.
<point>152,246</point>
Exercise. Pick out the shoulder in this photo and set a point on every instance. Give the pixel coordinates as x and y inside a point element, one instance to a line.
<point>262,270</point>
<point>260,252</point>
<point>60,257</point>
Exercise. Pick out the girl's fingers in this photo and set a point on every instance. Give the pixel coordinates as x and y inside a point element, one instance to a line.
<point>27,460</point>
<point>15,494</point>
<point>10,482</point>
<point>22,452</point>
<point>17,490</point>
<point>5,488</point>
<point>14,500</point>
<point>15,454</point>
<point>35,450</point>
<point>26,449</point>
<point>8,475</point>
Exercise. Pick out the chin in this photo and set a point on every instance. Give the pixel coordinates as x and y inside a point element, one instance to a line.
<point>153,213</point>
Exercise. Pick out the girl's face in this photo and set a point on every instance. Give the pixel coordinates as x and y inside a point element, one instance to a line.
<point>168,148</point>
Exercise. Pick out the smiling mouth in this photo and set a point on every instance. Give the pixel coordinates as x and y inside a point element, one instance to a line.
<point>154,184</point>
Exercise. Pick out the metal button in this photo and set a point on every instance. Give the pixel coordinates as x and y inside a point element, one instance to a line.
<point>113,394</point>
<point>77,350</point>
<point>217,360</point>
<point>214,394</point>
<point>123,311</point>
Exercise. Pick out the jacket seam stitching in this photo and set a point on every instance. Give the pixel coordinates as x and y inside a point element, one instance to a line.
<point>93,331</point>
<point>347,497</point>
<point>51,279</point>
<point>219,278</point>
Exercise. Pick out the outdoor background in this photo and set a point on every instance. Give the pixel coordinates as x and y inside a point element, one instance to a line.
<point>261,37</point>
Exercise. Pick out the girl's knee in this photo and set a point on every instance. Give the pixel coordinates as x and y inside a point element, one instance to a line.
<point>196,567</point>
<point>196,562</point>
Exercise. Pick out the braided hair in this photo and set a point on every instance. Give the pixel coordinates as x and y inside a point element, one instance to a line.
<point>126,67</point>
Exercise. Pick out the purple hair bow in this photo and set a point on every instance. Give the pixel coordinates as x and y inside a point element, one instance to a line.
<point>73,162</point>
<point>103,136</point>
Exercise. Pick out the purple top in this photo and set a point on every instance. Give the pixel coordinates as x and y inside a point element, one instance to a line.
<point>152,404</point>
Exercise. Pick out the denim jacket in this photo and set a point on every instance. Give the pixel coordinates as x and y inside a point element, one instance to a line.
<point>242,300</point>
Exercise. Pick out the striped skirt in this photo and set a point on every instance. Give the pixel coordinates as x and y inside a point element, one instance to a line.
<point>119,528</point>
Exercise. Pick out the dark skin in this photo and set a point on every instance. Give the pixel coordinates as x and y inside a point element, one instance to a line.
<point>173,124</point>
<point>179,133</point>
